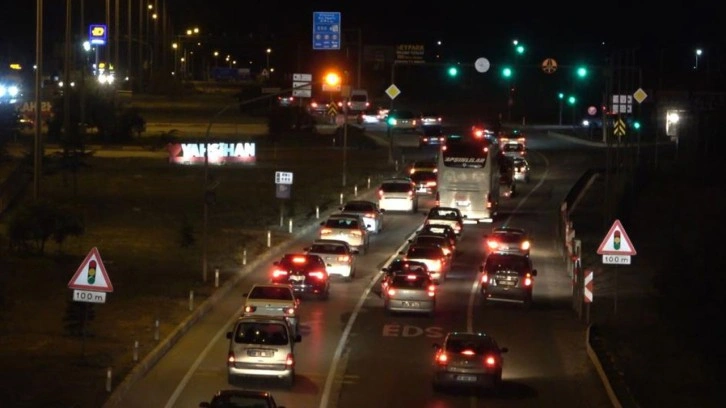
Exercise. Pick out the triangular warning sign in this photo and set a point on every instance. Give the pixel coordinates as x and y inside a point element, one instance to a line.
<point>616,242</point>
<point>91,275</point>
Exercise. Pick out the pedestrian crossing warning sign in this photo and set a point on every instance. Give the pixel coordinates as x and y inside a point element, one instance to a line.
<point>91,275</point>
<point>616,242</point>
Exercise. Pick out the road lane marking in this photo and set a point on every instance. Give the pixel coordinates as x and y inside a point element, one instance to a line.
<point>325,398</point>
<point>475,284</point>
<point>188,376</point>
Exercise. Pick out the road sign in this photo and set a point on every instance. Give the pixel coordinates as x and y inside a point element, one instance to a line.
<point>393,91</point>
<point>640,95</point>
<point>98,34</point>
<point>91,275</point>
<point>589,286</point>
<point>622,104</point>
<point>283,191</point>
<point>616,242</point>
<point>592,111</point>
<point>326,30</point>
<point>482,65</point>
<point>89,296</point>
<point>619,128</point>
<point>301,85</point>
<point>283,177</point>
<point>549,66</point>
<point>616,259</point>
<point>332,109</point>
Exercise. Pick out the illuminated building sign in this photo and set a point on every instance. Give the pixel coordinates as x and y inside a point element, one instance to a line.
<point>219,153</point>
<point>97,34</point>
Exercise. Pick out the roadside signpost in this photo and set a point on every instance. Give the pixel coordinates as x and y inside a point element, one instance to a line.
<point>616,249</point>
<point>393,91</point>
<point>90,284</point>
<point>283,191</point>
<point>588,293</point>
<point>326,30</point>
<point>549,66</point>
<point>301,84</point>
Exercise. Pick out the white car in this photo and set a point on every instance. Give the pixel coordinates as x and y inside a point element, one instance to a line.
<point>339,258</point>
<point>272,299</point>
<point>369,211</point>
<point>403,120</point>
<point>346,227</point>
<point>398,195</point>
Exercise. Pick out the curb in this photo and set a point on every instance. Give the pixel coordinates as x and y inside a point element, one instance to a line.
<point>158,352</point>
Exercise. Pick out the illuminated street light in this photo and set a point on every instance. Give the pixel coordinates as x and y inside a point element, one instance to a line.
<point>699,52</point>
<point>268,51</point>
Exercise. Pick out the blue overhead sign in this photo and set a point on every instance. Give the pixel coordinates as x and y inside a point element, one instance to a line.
<point>326,30</point>
<point>97,34</point>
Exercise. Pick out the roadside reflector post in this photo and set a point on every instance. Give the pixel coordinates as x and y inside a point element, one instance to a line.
<point>109,374</point>
<point>136,350</point>
<point>289,226</point>
<point>355,190</point>
<point>341,198</point>
<point>156,329</point>
<point>216,277</point>
<point>269,238</point>
<point>317,212</point>
<point>191,300</point>
<point>368,182</point>
<point>396,165</point>
<point>244,257</point>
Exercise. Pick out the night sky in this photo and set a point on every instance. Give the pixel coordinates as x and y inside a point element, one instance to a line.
<point>468,28</point>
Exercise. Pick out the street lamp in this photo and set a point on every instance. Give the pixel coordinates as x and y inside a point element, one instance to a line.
<point>175,47</point>
<point>699,52</point>
<point>267,66</point>
<point>561,97</point>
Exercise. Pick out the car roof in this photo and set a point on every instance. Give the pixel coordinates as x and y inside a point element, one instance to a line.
<point>330,242</point>
<point>397,180</point>
<point>468,335</point>
<point>246,393</point>
<point>509,230</point>
<point>358,202</point>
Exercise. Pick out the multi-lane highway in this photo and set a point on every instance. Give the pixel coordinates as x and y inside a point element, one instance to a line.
<point>354,355</point>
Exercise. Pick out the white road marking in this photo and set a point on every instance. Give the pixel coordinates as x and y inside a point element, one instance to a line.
<point>475,284</point>
<point>188,376</point>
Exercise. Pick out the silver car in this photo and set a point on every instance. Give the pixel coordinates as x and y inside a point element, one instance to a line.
<point>508,240</point>
<point>262,347</point>
<point>273,299</point>
<point>468,359</point>
<point>346,227</point>
<point>339,258</point>
<point>410,292</point>
<point>436,240</point>
<point>369,211</point>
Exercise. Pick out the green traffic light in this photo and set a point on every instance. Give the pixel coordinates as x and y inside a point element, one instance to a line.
<point>636,125</point>
<point>582,72</point>
<point>506,72</point>
<point>561,95</point>
<point>571,100</point>
<point>391,121</point>
<point>520,49</point>
<point>453,71</point>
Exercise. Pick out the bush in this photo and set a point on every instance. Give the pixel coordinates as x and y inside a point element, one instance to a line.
<point>33,225</point>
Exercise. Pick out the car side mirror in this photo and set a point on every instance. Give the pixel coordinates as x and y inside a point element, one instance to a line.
<point>354,251</point>
<point>382,210</point>
<point>229,335</point>
<point>503,350</point>
<point>298,338</point>
<point>534,272</point>
<point>276,263</point>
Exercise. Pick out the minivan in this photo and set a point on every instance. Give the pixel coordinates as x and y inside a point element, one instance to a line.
<point>263,347</point>
<point>358,100</point>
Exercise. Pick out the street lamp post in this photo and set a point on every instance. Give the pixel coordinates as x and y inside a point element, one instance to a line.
<point>699,52</point>
<point>267,52</point>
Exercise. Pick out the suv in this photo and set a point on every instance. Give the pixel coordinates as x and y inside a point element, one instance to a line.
<point>264,347</point>
<point>508,240</point>
<point>339,258</point>
<point>508,278</point>
<point>398,194</point>
<point>306,273</point>
<point>346,227</point>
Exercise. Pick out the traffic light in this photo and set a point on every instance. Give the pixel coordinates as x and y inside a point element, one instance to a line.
<point>332,78</point>
<point>520,49</point>
<point>391,121</point>
<point>561,95</point>
<point>636,125</point>
<point>571,100</point>
<point>581,72</point>
<point>453,71</point>
<point>506,72</point>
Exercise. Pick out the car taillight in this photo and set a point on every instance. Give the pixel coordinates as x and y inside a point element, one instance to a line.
<point>457,227</point>
<point>380,193</point>
<point>442,358</point>
<point>447,251</point>
<point>413,122</point>
<point>490,361</point>
<point>441,140</point>
<point>489,201</point>
<point>492,244</point>
<point>344,258</point>
<point>432,290</point>
<point>525,245</point>
<point>290,360</point>
<point>230,359</point>
<point>368,104</point>
<point>411,171</point>
<point>425,139</point>
<point>250,309</point>
<point>391,292</point>
<point>325,231</point>
<point>410,193</point>
<point>277,273</point>
<point>317,275</point>
<point>528,280</point>
<point>290,311</point>
<point>485,278</point>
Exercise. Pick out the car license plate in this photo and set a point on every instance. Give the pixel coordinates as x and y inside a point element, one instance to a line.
<point>466,378</point>
<point>259,353</point>
<point>411,304</point>
<point>463,203</point>
<point>297,278</point>
<point>421,189</point>
<point>506,283</point>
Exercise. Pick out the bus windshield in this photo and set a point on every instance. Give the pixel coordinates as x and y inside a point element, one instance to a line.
<point>465,155</point>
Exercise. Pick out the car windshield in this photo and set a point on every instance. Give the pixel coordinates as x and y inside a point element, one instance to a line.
<point>446,214</point>
<point>359,207</point>
<point>424,252</point>
<point>273,334</point>
<point>478,346</point>
<point>328,249</point>
<point>271,292</point>
<point>400,265</point>
<point>396,187</point>
<point>517,263</point>
<point>429,115</point>
<point>343,223</point>
<point>411,281</point>
<point>420,176</point>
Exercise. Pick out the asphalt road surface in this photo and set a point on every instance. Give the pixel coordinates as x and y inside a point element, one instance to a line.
<point>353,355</point>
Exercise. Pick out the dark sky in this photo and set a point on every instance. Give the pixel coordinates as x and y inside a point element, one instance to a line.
<point>468,27</point>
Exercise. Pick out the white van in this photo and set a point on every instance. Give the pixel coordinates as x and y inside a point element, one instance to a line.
<point>358,100</point>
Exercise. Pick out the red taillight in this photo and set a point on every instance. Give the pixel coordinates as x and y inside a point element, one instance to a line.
<point>230,359</point>
<point>436,265</point>
<point>278,273</point>
<point>490,361</point>
<point>485,278</point>
<point>290,360</point>
<point>528,280</point>
<point>410,193</point>
<point>492,244</point>
<point>250,309</point>
<point>391,292</point>
<point>343,258</point>
<point>442,358</point>
<point>432,290</point>
<point>290,311</point>
<point>317,275</point>
<point>457,227</point>
<point>325,231</point>
<point>380,193</point>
